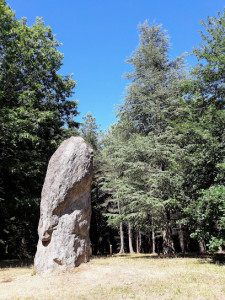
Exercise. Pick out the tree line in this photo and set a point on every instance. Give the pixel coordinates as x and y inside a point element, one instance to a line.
<point>162,164</point>
<point>159,171</point>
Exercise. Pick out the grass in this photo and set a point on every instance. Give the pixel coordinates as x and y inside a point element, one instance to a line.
<point>119,277</point>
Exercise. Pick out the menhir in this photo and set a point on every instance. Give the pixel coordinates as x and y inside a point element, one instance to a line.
<point>65,208</point>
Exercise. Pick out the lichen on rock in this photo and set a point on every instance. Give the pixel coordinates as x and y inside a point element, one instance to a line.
<point>65,210</point>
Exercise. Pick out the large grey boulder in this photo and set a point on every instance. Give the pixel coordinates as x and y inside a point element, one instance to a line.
<point>65,208</point>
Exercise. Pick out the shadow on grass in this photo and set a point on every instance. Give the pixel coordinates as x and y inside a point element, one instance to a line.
<point>138,256</point>
<point>162,256</point>
<point>217,258</point>
<point>15,263</point>
<point>150,256</point>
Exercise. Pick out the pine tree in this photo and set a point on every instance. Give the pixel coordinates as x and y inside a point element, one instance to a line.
<point>101,234</point>
<point>150,106</point>
<point>90,131</point>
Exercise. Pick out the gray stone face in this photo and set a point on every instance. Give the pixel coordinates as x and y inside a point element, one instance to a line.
<point>65,210</point>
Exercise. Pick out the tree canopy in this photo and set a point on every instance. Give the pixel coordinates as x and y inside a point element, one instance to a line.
<point>34,113</point>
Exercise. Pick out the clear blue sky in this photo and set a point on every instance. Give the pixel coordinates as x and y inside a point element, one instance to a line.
<point>98,35</point>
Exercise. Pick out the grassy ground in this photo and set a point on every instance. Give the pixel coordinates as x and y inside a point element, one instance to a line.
<point>123,277</point>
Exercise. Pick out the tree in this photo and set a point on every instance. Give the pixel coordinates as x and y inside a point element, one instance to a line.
<point>150,105</point>
<point>126,173</point>
<point>208,213</point>
<point>101,234</point>
<point>154,82</point>
<point>90,131</point>
<point>209,75</point>
<point>165,153</point>
<point>111,183</point>
<point>34,111</point>
<point>200,132</point>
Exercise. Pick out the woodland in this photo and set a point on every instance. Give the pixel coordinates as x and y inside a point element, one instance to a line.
<point>159,171</point>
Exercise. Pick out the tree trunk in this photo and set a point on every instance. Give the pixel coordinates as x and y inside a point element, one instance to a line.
<point>168,245</point>
<point>130,238</point>
<point>181,238</point>
<point>153,236</point>
<point>202,247</point>
<point>153,241</point>
<point>121,239</point>
<point>137,241</point>
<point>121,233</point>
<point>140,242</point>
<point>187,243</point>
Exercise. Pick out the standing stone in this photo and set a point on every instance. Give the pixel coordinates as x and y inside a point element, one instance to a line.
<point>65,208</point>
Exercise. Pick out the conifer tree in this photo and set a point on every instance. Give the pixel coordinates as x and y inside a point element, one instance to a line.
<point>150,106</point>
<point>90,131</point>
<point>100,232</point>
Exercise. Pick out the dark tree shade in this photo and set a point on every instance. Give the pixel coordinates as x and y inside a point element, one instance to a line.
<point>33,112</point>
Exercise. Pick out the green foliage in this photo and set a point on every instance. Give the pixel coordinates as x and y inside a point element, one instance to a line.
<point>209,73</point>
<point>200,134</point>
<point>151,105</point>
<point>101,234</point>
<point>89,131</point>
<point>154,82</point>
<point>165,155</point>
<point>208,213</point>
<point>33,113</point>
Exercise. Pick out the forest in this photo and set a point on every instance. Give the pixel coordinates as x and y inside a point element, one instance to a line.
<point>159,171</point>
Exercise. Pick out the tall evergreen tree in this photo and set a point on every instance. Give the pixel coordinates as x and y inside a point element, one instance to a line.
<point>150,106</point>
<point>101,234</point>
<point>154,87</point>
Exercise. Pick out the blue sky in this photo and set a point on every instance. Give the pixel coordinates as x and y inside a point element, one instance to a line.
<point>98,36</point>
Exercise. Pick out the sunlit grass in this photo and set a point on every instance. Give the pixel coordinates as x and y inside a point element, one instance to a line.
<point>120,277</point>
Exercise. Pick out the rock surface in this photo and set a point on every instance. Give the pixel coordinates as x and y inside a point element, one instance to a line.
<point>65,210</point>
